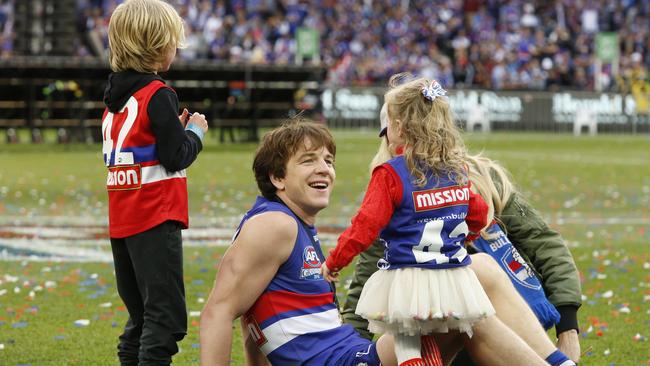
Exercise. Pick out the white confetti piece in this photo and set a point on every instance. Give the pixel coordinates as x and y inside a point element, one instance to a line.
<point>50,284</point>
<point>608,294</point>
<point>601,276</point>
<point>2,346</point>
<point>82,323</point>
<point>200,300</point>
<point>105,305</point>
<point>16,290</point>
<point>606,352</point>
<point>624,310</point>
<point>195,314</point>
<point>646,265</point>
<point>10,278</point>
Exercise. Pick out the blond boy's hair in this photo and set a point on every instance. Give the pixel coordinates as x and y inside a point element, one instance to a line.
<point>432,139</point>
<point>141,33</point>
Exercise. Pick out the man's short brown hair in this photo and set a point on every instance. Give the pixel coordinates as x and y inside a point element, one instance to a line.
<point>279,145</point>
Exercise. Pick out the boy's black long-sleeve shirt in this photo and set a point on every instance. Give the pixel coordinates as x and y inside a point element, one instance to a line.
<point>177,148</point>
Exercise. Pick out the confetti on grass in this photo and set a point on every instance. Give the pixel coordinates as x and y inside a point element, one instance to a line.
<point>19,325</point>
<point>81,323</point>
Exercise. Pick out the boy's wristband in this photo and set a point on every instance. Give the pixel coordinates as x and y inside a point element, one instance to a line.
<point>196,129</point>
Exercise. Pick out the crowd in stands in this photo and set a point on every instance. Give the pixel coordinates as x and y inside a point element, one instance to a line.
<point>496,44</point>
<point>6,28</point>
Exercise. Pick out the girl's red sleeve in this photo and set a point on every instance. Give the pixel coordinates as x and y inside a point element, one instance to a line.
<point>384,193</point>
<point>476,214</point>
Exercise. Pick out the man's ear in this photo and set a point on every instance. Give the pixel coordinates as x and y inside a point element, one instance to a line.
<point>277,182</point>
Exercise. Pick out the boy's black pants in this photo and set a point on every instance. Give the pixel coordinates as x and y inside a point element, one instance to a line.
<point>149,274</point>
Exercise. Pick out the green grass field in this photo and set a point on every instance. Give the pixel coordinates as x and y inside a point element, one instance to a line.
<point>596,191</point>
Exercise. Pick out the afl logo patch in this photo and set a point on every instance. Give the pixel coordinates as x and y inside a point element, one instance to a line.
<point>310,258</point>
<point>310,264</point>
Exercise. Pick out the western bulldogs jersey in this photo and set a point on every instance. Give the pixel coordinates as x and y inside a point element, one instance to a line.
<point>141,192</point>
<point>428,227</point>
<point>295,321</point>
<point>499,247</point>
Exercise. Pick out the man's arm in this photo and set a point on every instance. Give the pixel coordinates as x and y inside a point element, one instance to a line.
<point>264,243</point>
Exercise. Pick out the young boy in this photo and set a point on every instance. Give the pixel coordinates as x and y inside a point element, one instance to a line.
<point>147,147</point>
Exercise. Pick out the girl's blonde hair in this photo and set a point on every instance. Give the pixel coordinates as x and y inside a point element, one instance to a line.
<point>141,33</point>
<point>432,139</point>
<point>492,182</point>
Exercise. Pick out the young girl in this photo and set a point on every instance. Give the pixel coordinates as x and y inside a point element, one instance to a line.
<point>422,203</point>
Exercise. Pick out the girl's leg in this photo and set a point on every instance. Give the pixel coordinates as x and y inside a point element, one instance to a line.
<point>430,351</point>
<point>493,343</point>
<point>511,308</point>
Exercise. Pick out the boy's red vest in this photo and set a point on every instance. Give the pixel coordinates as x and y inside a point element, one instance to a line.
<point>141,192</point>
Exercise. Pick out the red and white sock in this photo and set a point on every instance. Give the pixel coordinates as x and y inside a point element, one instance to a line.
<point>407,350</point>
<point>430,352</point>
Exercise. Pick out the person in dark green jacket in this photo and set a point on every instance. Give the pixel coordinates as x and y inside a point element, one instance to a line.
<point>541,247</point>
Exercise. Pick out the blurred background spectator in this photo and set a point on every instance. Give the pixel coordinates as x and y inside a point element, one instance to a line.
<point>496,44</point>
<point>6,28</point>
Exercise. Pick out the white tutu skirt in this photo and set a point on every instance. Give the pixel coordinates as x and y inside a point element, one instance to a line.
<point>415,301</point>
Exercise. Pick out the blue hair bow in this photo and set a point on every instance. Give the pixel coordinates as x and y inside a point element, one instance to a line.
<point>433,90</point>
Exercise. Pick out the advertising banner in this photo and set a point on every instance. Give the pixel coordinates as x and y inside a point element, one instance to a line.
<point>521,110</point>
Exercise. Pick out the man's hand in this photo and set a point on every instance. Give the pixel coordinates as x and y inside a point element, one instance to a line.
<point>569,343</point>
<point>329,275</point>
